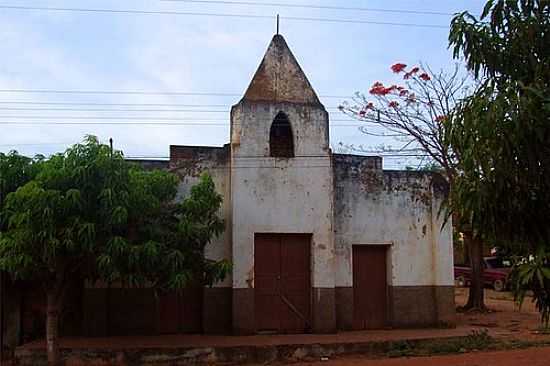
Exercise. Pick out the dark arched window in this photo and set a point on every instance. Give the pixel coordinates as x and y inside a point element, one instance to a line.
<point>281,144</point>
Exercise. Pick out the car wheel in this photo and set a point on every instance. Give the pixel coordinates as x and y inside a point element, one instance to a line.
<point>498,285</point>
<point>460,281</point>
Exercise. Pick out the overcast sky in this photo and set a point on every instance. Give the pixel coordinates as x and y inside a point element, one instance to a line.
<point>55,50</point>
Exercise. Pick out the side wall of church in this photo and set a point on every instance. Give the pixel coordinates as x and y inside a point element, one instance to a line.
<point>400,210</point>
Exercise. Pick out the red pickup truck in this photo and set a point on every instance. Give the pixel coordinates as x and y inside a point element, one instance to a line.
<point>495,274</point>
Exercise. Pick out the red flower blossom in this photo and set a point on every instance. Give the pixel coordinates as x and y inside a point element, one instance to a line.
<point>370,105</point>
<point>414,70</point>
<point>407,75</point>
<point>403,92</point>
<point>424,77</point>
<point>393,104</point>
<point>397,68</point>
<point>377,84</point>
<point>379,90</point>
<point>362,113</point>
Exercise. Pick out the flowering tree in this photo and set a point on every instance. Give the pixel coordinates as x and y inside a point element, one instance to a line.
<point>414,111</point>
<point>419,112</point>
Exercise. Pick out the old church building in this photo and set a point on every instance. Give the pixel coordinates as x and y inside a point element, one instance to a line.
<point>319,242</point>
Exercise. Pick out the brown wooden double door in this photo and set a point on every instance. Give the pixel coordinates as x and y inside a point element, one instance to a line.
<point>180,312</point>
<point>282,282</point>
<point>369,287</point>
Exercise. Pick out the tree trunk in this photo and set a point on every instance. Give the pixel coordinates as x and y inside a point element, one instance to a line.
<point>52,325</point>
<point>476,294</point>
<point>466,252</point>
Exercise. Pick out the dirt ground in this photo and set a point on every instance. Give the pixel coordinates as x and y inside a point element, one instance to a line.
<point>504,321</point>
<point>527,357</point>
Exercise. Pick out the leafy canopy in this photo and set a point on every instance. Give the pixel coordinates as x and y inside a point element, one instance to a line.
<point>503,131</point>
<point>501,135</point>
<point>89,213</point>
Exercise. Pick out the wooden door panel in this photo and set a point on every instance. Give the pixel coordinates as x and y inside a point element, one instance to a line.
<point>282,282</point>
<point>369,287</point>
<point>267,267</point>
<point>295,282</point>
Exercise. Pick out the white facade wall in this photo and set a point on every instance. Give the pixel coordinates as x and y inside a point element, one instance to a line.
<point>273,195</point>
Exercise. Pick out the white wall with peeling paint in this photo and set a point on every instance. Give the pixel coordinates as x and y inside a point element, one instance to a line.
<point>400,209</point>
<point>274,195</point>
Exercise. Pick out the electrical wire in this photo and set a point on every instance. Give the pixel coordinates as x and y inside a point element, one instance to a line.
<point>139,118</point>
<point>249,16</point>
<point>117,110</point>
<point>137,92</point>
<point>312,6</point>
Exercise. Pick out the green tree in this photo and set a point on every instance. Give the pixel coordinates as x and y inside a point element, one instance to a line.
<point>501,131</point>
<point>15,171</point>
<point>89,214</point>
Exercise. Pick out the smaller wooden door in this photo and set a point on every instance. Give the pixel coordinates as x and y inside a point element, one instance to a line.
<point>369,287</point>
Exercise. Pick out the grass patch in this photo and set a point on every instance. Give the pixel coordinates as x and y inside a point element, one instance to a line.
<point>476,341</point>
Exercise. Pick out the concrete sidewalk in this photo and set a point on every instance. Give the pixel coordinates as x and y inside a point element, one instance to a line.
<point>206,349</point>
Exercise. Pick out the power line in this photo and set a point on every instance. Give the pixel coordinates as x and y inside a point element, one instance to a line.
<point>112,110</point>
<point>312,6</point>
<point>124,92</point>
<point>294,157</point>
<point>38,144</point>
<point>134,124</point>
<point>137,92</point>
<point>162,124</point>
<point>118,104</point>
<point>249,16</point>
<point>136,118</point>
<point>119,110</point>
<point>384,153</point>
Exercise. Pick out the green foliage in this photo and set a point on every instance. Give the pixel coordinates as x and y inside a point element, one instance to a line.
<point>501,131</point>
<point>90,214</point>
<point>15,170</point>
<point>476,340</point>
<point>510,33</point>
<point>166,240</point>
<point>500,134</point>
<point>534,275</point>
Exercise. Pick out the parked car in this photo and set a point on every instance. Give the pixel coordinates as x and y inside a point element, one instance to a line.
<point>495,273</point>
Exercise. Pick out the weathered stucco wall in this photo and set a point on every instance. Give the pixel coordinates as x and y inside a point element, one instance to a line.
<point>400,209</point>
<point>281,195</point>
<point>189,163</point>
<point>274,195</point>
<point>391,207</point>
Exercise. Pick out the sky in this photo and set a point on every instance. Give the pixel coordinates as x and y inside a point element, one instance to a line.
<point>159,54</point>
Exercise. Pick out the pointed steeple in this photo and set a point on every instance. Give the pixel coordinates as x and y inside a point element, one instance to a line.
<point>279,78</point>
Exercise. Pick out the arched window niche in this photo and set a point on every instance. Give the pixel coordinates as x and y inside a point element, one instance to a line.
<point>281,141</point>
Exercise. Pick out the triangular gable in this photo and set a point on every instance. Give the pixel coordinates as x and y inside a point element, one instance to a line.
<point>279,78</point>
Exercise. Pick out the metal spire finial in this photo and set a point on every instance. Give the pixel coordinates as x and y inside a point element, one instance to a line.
<point>277,23</point>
